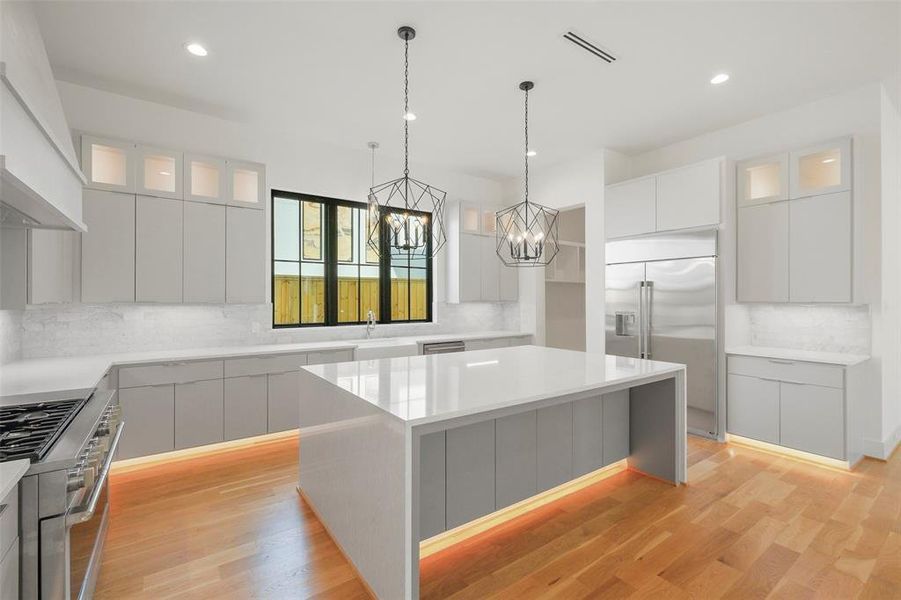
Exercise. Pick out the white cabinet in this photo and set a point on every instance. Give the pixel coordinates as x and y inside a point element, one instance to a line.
<point>149,413</point>
<point>509,283</point>
<point>820,248</point>
<point>753,407</point>
<point>159,172</point>
<point>198,413</point>
<point>245,255</point>
<point>246,184</point>
<point>470,218</point>
<point>14,267</point>
<point>516,458</point>
<point>689,197</point>
<point>762,180</point>
<point>555,445</point>
<point>811,419</point>
<point>284,401</point>
<point>763,253</point>
<point>469,272</point>
<point>52,264</point>
<point>204,253</point>
<point>246,406</point>
<point>205,179</point>
<point>158,250</point>
<point>821,169</point>
<point>470,468</point>
<point>109,164</point>
<point>490,270</point>
<point>431,484</point>
<point>108,247</point>
<point>630,208</point>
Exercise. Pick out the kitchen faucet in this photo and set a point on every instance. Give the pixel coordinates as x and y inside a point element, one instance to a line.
<point>370,324</point>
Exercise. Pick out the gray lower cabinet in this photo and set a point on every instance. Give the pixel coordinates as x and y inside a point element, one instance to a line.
<point>811,419</point>
<point>158,249</point>
<point>753,407</point>
<point>149,414</point>
<point>204,253</point>
<point>108,247</point>
<point>431,485</point>
<point>616,426</point>
<point>516,452</point>
<point>198,413</point>
<point>588,437</point>
<point>245,255</point>
<point>9,572</point>
<point>246,406</point>
<point>762,253</point>
<point>470,472</point>
<point>555,445</point>
<point>284,400</point>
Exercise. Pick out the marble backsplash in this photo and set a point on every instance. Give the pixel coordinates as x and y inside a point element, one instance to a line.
<point>71,330</point>
<point>10,335</point>
<point>810,327</point>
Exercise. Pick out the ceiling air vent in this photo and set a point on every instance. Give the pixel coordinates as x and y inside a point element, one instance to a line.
<point>584,44</point>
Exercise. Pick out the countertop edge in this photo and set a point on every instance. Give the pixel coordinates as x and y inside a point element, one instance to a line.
<point>814,356</point>
<point>10,474</point>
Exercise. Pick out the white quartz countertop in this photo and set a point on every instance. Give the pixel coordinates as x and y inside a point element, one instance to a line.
<point>424,389</point>
<point>832,358</point>
<point>10,474</point>
<point>70,374</point>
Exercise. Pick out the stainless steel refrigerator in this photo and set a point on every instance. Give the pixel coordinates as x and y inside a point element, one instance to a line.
<point>661,304</point>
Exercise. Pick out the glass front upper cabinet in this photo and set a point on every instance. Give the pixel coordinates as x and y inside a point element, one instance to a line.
<point>470,215</point>
<point>821,169</point>
<point>246,184</point>
<point>489,221</point>
<point>205,179</point>
<point>762,180</point>
<point>108,164</point>
<point>159,172</point>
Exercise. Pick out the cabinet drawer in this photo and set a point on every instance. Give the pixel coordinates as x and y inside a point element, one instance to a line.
<point>259,365</point>
<point>9,519</point>
<point>332,356</point>
<point>171,372</point>
<point>788,370</point>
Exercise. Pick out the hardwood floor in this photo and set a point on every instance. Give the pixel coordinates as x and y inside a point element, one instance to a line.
<point>749,525</point>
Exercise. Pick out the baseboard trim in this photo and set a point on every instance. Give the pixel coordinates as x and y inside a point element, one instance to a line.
<point>883,449</point>
<point>814,459</point>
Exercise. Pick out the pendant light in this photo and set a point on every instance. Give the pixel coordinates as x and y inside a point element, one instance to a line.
<point>527,232</point>
<point>412,211</point>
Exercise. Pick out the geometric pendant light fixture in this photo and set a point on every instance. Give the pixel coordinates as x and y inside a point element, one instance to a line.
<point>526,232</point>
<point>409,212</point>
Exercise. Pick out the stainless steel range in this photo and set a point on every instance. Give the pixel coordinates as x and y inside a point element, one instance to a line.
<point>63,496</point>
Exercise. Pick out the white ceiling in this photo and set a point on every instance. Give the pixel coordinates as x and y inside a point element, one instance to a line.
<point>331,71</point>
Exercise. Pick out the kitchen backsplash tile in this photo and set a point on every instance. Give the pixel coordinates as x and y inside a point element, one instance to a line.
<point>811,327</point>
<point>70,330</point>
<point>10,335</point>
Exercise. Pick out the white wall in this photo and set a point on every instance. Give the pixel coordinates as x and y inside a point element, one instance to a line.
<point>291,164</point>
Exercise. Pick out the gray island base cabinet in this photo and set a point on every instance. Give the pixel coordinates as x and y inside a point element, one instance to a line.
<point>395,451</point>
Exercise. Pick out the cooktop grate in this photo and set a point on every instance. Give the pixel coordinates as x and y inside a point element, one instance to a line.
<point>30,430</point>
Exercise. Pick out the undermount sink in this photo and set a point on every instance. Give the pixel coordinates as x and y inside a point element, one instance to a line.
<point>384,348</point>
<point>376,341</point>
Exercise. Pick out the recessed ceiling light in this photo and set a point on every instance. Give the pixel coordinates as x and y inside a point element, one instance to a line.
<point>720,78</point>
<point>196,49</point>
<point>409,116</point>
<point>531,153</point>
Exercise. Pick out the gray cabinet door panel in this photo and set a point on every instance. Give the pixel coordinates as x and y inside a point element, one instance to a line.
<point>470,472</point>
<point>198,413</point>
<point>516,458</point>
<point>753,407</point>
<point>812,419</point>
<point>159,240</point>
<point>204,253</point>
<point>432,489</point>
<point>490,271</point>
<point>245,255</point>
<point>763,253</point>
<point>246,407</point>
<point>616,426</point>
<point>555,445</point>
<point>108,247</point>
<point>588,435</point>
<point>509,279</point>
<point>284,400</point>
<point>149,413</point>
<point>820,248</point>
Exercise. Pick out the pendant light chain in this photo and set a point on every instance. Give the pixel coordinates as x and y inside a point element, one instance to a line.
<point>527,146</point>
<point>406,105</point>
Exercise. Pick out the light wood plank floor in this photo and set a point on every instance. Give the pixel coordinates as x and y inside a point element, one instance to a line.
<point>749,525</point>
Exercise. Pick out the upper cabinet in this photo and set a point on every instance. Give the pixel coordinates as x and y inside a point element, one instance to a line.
<point>159,172</point>
<point>677,199</point>
<point>206,179</point>
<point>762,180</point>
<point>109,164</point>
<point>39,170</point>
<point>246,184</point>
<point>821,169</point>
<point>475,273</point>
<point>477,218</point>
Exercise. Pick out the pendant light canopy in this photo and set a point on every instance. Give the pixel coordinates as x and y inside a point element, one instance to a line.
<point>408,212</point>
<point>527,232</point>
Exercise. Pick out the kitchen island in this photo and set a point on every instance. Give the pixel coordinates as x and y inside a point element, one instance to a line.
<point>395,451</point>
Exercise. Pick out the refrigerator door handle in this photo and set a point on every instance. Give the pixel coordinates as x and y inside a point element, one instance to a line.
<point>648,302</point>
<point>641,319</point>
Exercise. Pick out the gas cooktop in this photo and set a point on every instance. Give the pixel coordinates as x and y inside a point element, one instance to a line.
<point>29,430</point>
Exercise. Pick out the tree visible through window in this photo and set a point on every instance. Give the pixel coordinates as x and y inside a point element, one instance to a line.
<point>325,273</point>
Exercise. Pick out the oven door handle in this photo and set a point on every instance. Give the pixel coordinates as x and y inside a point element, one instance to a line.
<point>85,514</point>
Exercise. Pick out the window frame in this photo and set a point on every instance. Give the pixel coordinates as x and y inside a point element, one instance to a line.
<point>331,262</point>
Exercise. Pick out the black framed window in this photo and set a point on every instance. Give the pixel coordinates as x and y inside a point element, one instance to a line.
<point>325,273</point>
